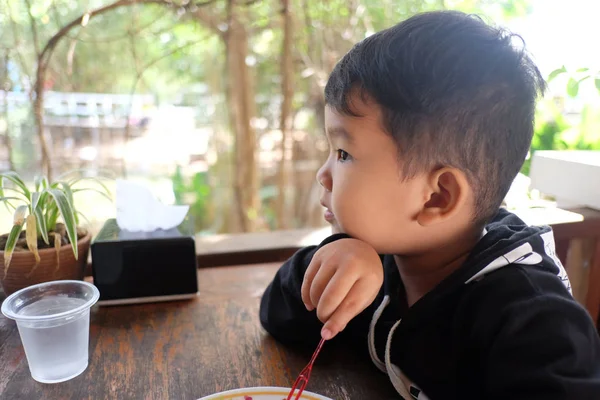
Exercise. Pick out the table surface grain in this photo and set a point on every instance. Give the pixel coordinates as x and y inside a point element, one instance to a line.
<point>190,349</point>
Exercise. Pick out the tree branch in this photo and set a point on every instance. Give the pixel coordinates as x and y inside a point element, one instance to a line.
<point>125,35</point>
<point>208,20</point>
<point>211,21</point>
<point>170,53</point>
<point>83,19</point>
<point>44,57</point>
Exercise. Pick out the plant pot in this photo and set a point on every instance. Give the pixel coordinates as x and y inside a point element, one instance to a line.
<point>21,272</point>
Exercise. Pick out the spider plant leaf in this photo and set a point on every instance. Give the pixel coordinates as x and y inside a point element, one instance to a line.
<point>66,188</point>
<point>51,216</point>
<point>40,183</point>
<point>35,198</point>
<point>92,179</point>
<point>38,200</point>
<point>10,207</point>
<point>57,245</point>
<point>6,202</point>
<point>87,221</point>
<point>10,198</point>
<point>31,238</point>
<point>43,231</point>
<point>42,200</point>
<point>77,173</point>
<point>11,242</point>
<point>13,236</point>
<point>19,216</point>
<point>100,192</point>
<point>67,214</point>
<point>16,179</point>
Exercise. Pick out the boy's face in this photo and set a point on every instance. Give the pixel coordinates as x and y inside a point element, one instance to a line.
<point>364,192</point>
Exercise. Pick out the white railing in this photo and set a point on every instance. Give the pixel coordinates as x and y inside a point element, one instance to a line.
<point>85,109</point>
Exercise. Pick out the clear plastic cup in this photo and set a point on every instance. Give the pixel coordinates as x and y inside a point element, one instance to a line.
<point>53,319</point>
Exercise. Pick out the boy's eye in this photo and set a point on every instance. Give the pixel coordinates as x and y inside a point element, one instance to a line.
<point>342,155</point>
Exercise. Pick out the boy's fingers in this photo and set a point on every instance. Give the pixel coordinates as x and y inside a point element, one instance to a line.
<point>309,275</point>
<point>354,303</point>
<point>335,292</point>
<point>319,283</point>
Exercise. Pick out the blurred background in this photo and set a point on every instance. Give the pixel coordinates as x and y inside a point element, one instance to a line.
<point>219,103</point>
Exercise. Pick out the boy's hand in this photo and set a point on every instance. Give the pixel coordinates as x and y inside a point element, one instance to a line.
<point>342,280</point>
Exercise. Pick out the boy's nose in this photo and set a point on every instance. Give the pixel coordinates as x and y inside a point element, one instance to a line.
<point>324,177</point>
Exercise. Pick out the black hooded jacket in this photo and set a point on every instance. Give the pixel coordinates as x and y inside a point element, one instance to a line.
<point>503,326</point>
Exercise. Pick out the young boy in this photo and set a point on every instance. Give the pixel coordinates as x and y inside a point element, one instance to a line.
<point>428,123</point>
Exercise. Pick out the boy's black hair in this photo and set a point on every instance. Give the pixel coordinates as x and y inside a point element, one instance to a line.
<point>453,91</point>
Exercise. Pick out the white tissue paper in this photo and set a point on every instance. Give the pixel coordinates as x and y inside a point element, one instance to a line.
<point>138,210</point>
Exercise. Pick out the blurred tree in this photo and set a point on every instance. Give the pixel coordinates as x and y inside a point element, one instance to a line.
<point>269,59</point>
<point>285,119</point>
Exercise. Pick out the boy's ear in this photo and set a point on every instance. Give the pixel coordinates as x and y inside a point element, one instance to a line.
<point>446,193</point>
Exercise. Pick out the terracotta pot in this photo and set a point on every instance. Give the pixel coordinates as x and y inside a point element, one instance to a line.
<point>21,271</point>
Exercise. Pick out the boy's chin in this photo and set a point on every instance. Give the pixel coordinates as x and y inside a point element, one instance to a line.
<point>335,228</point>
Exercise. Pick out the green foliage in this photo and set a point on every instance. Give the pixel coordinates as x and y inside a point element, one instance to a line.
<point>554,132</point>
<point>576,78</point>
<point>128,41</point>
<point>131,38</point>
<point>547,136</point>
<point>557,131</point>
<point>196,192</point>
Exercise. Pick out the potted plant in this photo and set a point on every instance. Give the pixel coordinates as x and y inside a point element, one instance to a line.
<point>46,242</point>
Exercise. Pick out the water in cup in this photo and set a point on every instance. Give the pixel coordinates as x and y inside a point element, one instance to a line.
<point>55,349</point>
<point>53,320</point>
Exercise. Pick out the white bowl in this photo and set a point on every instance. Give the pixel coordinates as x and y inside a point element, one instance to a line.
<point>261,393</point>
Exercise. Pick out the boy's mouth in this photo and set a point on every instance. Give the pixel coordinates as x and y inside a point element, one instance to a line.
<point>328,215</point>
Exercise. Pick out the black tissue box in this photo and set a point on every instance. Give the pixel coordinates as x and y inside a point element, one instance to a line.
<point>140,267</point>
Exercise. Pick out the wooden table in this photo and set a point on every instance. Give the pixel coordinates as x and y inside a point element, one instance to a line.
<point>189,349</point>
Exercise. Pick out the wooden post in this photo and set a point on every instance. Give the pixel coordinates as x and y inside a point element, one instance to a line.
<point>593,292</point>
